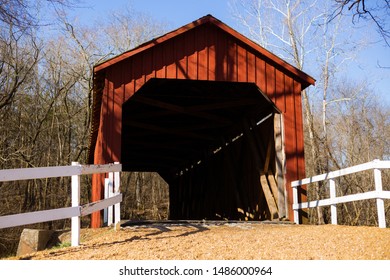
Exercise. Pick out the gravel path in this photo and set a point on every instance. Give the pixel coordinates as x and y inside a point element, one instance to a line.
<point>223,241</point>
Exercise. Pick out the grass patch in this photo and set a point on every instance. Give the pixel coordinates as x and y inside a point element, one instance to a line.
<point>61,246</point>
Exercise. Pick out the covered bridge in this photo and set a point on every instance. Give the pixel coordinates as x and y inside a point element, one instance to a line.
<point>215,114</point>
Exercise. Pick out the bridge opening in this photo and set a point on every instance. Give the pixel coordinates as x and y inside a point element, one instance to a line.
<point>216,145</point>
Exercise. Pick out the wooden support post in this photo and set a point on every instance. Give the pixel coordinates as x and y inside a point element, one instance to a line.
<point>268,182</point>
<point>280,164</point>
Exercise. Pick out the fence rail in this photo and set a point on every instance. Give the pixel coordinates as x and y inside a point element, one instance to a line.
<point>379,194</point>
<point>76,210</point>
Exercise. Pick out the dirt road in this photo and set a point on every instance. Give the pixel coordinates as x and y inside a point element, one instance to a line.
<point>223,241</point>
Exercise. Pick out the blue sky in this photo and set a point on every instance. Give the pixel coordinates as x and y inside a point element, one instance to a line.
<point>179,12</point>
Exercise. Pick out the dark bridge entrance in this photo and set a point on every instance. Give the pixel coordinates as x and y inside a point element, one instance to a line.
<point>209,140</point>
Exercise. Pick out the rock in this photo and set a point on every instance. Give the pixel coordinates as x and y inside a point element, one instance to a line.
<point>33,240</point>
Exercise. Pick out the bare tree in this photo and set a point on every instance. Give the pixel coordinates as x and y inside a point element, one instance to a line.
<point>127,30</point>
<point>377,12</point>
<point>45,110</point>
<point>16,13</point>
<point>18,59</point>
<point>23,14</point>
<point>359,133</point>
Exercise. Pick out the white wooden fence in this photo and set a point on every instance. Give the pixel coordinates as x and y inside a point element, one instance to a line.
<point>76,210</point>
<point>379,194</point>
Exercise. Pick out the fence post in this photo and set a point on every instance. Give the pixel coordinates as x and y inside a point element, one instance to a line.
<point>380,204</point>
<point>110,194</point>
<point>333,207</point>
<point>295,201</point>
<point>117,207</point>
<point>106,195</point>
<point>75,223</point>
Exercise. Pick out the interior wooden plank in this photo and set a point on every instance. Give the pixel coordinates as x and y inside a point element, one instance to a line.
<point>274,186</point>
<point>269,197</point>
